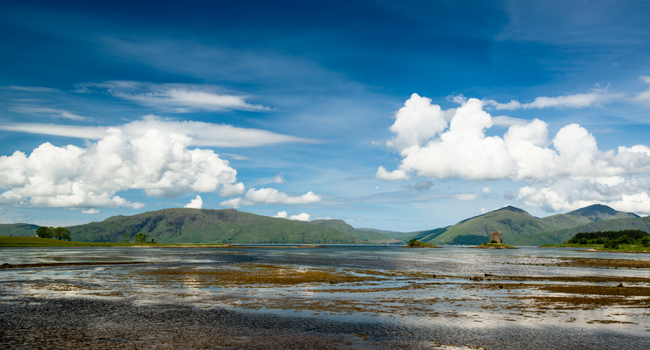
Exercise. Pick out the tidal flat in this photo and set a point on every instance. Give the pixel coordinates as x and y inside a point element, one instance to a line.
<point>343,297</point>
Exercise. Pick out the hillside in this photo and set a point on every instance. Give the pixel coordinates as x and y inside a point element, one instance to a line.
<point>18,230</point>
<point>520,228</point>
<point>344,227</point>
<point>208,226</point>
<point>608,225</point>
<point>391,234</point>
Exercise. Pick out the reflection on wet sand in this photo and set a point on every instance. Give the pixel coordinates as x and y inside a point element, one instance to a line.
<point>380,287</point>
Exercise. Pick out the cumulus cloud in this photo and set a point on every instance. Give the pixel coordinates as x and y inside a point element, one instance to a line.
<point>270,196</point>
<point>196,203</point>
<point>487,190</point>
<point>644,96</point>
<point>50,112</point>
<point>231,190</point>
<point>568,101</point>
<point>90,211</point>
<point>156,162</point>
<point>281,214</point>
<point>180,98</point>
<point>525,154</point>
<point>383,174</point>
<point>576,192</point>
<point>299,217</point>
<point>192,133</point>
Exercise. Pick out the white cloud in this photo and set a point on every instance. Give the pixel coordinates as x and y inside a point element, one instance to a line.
<point>487,190</point>
<point>323,218</point>
<point>577,192</point>
<point>236,156</point>
<point>383,174</point>
<point>231,190</point>
<point>270,196</point>
<point>70,176</point>
<point>277,179</point>
<point>32,88</point>
<point>196,203</point>
<point>191,133</point>
<point>466,196</point>
<point>644,96</point>
<point>90,211</point>
<point>569,101</point>
<point>483,210</point>
<point>180,98</point>
<point>525,154</point>
<point>508,121</point>
<point>416,122</point>
<point>300,217</point>
<point>51,112</point>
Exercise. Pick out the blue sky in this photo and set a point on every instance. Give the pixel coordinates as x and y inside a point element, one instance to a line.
<point>286,108</point>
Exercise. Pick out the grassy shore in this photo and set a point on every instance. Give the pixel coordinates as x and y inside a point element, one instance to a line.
<point>630,248</point>
<point>495,246</point>
<point>8,241</point>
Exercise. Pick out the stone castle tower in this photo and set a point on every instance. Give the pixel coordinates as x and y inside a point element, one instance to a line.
<point>496,236</point>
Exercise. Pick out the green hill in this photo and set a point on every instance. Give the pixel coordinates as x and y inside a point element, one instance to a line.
<point>391,234</point>
<point>344,227</point>
<point>520,228</point>
<point>18,230</point>
<point>632,223</point>
<point>208,226</point>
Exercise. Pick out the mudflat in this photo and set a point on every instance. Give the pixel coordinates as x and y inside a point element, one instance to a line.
<point>349,297</point>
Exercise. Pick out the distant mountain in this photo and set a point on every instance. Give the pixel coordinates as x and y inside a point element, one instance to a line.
<point>392,234</point>
<point>209,226</point>
<point>21,230</point>
<point>631,223</point>
<point>520,228</point>
<point>346,228</point>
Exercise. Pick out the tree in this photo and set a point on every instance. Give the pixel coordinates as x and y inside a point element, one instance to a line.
<point>44,232</point>
<point>140,238</point>
<point>61,233</point>
<point>126,238</point>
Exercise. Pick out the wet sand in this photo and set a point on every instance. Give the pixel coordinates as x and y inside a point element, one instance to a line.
<point>325,299</point>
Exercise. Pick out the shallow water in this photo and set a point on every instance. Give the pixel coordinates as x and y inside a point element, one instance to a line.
<point>363,285</point>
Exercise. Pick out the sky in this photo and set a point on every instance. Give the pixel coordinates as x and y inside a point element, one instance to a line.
<point>400,116</point>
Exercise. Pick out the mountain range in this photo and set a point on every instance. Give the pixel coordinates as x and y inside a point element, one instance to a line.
<point>518,227</point>
<point>232,226</point>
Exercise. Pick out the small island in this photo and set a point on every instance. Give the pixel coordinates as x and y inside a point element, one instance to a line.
<point>414,243</point>
<point>496,242</point>
<point>495,246</point>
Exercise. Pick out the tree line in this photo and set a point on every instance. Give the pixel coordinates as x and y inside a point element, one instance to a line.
<point>60,233</point>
